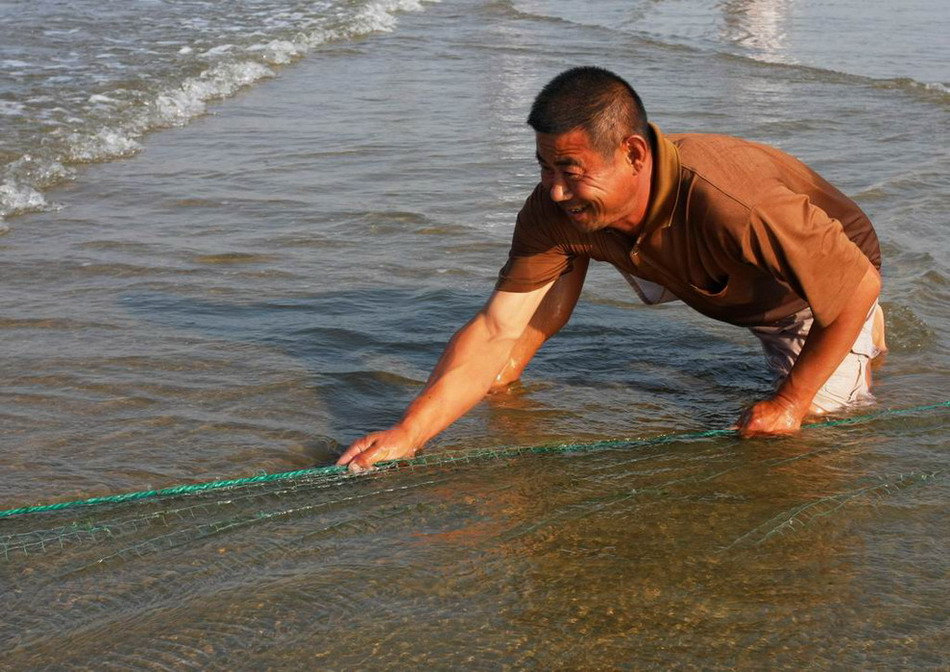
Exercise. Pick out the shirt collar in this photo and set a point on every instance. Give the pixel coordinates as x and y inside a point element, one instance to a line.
<point>664,182</point>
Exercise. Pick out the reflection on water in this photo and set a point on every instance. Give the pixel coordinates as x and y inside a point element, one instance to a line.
<point>757,25</point>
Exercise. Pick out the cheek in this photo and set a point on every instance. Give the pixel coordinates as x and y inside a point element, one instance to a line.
<point>590,193</point>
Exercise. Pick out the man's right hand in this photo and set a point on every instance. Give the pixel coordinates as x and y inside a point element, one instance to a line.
<point>472,360</point>
<point>391,444</point>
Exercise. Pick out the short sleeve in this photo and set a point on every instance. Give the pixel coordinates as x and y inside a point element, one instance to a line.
<point>535,258</point>
<point>800,245</point>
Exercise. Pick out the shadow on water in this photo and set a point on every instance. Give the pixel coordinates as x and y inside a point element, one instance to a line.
<point>369,351</point>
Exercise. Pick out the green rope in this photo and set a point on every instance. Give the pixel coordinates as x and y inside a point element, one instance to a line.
<point>437,460</point>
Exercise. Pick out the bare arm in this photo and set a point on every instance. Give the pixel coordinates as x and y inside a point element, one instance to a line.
<point>553,313</point>
<point>467,369</point>
<point>824,349</point>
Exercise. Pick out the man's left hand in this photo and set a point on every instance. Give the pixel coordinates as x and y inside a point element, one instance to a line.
<point>776,416</point>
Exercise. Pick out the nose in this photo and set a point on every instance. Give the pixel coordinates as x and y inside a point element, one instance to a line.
<point>559,190</point>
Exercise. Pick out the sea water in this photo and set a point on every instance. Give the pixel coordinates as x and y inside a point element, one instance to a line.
<point>237,235</point>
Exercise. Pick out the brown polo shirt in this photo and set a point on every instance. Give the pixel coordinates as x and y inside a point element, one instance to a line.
<point>739,231</point>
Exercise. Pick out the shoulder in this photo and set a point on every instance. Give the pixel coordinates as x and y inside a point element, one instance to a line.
<point>737,179</point>
<point>712,150</point>
<point>737,169</point>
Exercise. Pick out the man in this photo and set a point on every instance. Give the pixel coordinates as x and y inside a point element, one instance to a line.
<point>738,231</point>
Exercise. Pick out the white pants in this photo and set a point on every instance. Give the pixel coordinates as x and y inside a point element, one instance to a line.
<point>782,342</point>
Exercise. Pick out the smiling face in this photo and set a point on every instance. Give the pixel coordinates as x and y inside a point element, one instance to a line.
<point>593,190</point>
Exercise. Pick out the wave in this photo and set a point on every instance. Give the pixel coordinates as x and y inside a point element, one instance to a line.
<point>723,31</point>
<point>110,123</point>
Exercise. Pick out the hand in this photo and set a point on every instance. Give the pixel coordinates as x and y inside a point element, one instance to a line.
<point>391,444</point>
<point>771,417</point>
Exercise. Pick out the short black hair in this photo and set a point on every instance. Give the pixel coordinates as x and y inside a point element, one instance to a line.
<point>593,99</point>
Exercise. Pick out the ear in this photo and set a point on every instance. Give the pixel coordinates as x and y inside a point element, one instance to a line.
<point>637,149</point>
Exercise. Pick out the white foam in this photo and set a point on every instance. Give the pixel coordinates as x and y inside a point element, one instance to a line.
<point>16,199</point>
<point>35,171</point>
<point>937,86</point>
<point>380,16</point>
<point>279,52</point>
<point>373,18</point>
<point>108,124</point>
<point>105,144</point>
<point>227,78</point>
<point>174,107</point>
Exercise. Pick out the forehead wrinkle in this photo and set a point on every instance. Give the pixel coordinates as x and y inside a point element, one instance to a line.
<point>560,162</point>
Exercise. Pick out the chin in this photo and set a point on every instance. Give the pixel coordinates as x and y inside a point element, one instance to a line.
<point>588,226</point>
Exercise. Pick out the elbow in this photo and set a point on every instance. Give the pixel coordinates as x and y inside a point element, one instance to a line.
<point>857,303</point>
<point>871,284</point>
<point>497,332</point>
<point>866,293</point>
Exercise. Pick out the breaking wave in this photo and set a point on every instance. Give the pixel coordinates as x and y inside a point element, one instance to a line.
<point>171,79</point>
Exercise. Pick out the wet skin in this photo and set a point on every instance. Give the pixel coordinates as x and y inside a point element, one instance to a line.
<point>596,191</point>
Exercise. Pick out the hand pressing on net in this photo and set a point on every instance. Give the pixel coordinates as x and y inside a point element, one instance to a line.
<point>391,444</point>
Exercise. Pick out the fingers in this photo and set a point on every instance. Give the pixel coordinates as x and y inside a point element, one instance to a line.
<point>358,457</point>
<point>392,444</point>
<point>355,449</point>
<point>766,419</point>
<point>365,460</point>
<point>752,424</point>
<point>372,448</point>
<point>742,424</point>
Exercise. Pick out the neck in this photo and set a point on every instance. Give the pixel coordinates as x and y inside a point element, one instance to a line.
<point>640,201</point>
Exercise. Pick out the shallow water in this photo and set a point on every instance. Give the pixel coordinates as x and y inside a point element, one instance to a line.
<point>257,287</point>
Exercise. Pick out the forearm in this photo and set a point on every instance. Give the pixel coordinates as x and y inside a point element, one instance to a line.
<point>471,362</point>
<point>826,346</point>
<point>464,374</point>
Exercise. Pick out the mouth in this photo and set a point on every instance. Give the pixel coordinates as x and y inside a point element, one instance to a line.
<point>575,210</point>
